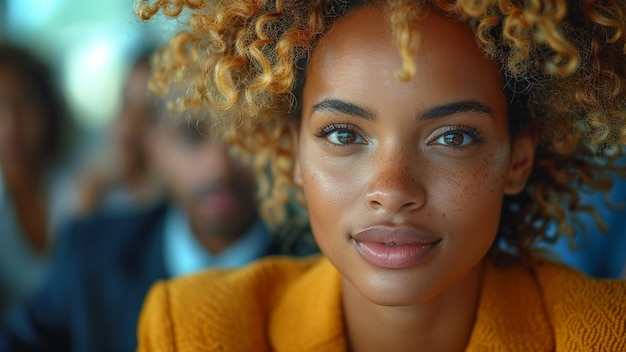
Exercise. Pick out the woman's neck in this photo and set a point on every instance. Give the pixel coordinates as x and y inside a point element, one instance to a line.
<point>444,323</point>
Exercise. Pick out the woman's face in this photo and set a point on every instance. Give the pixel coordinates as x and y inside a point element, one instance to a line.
<point>404,181</point>
<point>22,120</point>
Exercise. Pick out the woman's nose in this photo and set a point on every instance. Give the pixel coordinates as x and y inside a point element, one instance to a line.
<point>395,184</point>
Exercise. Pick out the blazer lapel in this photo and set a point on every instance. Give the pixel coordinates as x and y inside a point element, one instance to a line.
<point>511,313</point>
<point>309,317</point>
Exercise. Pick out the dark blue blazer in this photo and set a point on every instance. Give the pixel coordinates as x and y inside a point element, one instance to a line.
<point>100,271</point>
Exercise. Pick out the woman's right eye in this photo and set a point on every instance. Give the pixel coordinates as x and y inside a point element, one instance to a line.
<point>344,136</point>
<point>341,134</point>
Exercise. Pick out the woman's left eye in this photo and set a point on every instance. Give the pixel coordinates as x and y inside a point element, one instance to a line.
<point>458,138</point>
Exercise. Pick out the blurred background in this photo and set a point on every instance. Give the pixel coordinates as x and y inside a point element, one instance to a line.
<point>90,45</point>
<point>74,116</point>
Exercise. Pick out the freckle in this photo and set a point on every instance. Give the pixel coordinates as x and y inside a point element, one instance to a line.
<point>443,215</point>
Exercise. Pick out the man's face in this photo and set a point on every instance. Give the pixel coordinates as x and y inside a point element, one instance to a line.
<point>217,192</point>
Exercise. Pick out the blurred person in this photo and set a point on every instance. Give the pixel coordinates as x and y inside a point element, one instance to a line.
<point>32,123</point>
<point>120,177</point>
<point>104,264</point>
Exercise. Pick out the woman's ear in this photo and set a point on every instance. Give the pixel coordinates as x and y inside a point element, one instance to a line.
<point>297,171</point>
<point>522,161</point>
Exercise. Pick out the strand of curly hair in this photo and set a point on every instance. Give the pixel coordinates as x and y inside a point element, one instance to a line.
<point>564,64</point>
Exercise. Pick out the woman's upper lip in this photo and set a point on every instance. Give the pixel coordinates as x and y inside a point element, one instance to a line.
<point>395,235</point>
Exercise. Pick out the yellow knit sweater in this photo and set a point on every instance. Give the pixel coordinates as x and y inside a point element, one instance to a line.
<point>282,304</point>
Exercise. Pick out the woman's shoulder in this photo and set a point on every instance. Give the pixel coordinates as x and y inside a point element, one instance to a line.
<point>564,282</point>
<point>557,305</point>
<point>583,309</point>
<point>220,303</point>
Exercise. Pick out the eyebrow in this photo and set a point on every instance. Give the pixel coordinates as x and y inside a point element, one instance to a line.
<point>347,108</point>
<point>461,107</point>
<point>343,107</point>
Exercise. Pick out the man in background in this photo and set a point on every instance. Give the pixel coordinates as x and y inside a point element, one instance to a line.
<point>104,264</point>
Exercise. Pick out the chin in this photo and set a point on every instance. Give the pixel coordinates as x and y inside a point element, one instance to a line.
<point>395,288</point>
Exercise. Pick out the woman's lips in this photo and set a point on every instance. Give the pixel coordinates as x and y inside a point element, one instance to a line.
<point>394,247</point>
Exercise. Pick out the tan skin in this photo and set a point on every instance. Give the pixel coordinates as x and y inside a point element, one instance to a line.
<point>22,155</point>
<point>431,156</point>
<point>130,125</point>
<point>216,192</point>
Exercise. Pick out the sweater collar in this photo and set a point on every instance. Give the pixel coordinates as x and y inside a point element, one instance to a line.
<point>511,312</point>
<point>309,317</point>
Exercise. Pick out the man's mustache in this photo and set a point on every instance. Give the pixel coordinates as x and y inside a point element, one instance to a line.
<point>206,189</point>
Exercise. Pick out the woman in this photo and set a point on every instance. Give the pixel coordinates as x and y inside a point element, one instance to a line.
<point>434,143</point>
<point>32,131</point>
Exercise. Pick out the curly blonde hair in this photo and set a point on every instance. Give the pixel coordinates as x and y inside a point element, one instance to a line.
<point>564,62</point>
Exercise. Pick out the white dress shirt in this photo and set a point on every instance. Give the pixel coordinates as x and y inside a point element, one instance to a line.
<point>185,255</point>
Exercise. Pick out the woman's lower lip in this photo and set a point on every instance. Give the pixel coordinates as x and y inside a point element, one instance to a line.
<point>394,256</point>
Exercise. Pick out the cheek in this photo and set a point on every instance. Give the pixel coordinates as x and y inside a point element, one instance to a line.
<point>182,183</point>
<point>328,192</point>
<point>175,165</point>
<point>468,193</point>
<point>332,192</point>
<point>488,178</point>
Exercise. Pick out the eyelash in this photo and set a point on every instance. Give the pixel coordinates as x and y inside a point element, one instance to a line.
<point>326,130</point>
<point>470,131</point>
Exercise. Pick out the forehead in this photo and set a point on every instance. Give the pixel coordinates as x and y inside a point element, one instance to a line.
<point>365,33</point>
<point>358,54</point>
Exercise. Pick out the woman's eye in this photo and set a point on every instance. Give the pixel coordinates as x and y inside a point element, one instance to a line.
<point>456,139</point>
<point>344,136</point>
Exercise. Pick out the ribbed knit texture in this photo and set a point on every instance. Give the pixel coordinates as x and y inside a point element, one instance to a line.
<point>287,305</point>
